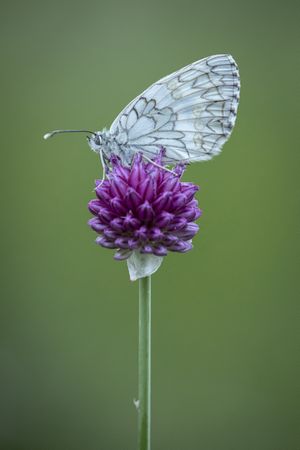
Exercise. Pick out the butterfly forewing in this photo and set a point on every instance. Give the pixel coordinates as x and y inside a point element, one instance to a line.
<point>190,112</point>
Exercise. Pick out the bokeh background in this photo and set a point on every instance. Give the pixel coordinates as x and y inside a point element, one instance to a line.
<point>225,364</point>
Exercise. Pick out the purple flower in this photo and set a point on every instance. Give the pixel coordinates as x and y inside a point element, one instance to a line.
<point>144,208</point>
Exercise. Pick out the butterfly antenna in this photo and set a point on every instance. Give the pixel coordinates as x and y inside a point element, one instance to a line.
<point>52,133</point>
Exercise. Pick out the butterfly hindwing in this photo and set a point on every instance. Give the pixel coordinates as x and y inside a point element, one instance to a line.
<point>190,112</point>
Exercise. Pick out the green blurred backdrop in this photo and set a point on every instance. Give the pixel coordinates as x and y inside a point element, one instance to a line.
<point>224,315</point>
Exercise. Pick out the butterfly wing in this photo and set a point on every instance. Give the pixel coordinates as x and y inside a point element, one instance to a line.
<point>190,112</point>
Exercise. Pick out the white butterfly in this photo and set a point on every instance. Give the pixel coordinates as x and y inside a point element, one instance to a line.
<point>190,113</point>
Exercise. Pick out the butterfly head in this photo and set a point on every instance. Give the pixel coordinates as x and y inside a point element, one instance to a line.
<point>95,141</point>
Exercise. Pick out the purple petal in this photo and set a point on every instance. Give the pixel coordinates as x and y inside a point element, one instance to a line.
<point>103,194</point>
<point>160,155</point>
<point>198,213</point>
<point>96,225</point>
<point>177,224</point>
<point>118,206</point>
<point>103,184</point>
<point>118,187</point>
<point>145,212</point>
<point>146,189</point>
<point>105,242</point>
<point>131,223</point>
<point>169,239</point>
<point>163,201</point>
<point>122,172</point>
<point>181,246</point>
<point>94,206</point>
<point>164,219</point>
<point>190,192</point>
<point>115,161</point>
<point>133,243</point>
<point>147,249</point>
<point>184,185</point>
<point>117,224</point>
<point>132,199</point>
<point>110,234</point>
<point>154,234</point>
<point>155,173</point>
<point>122,254</point>
<point>141,233</point>
<point>179,169</point>
<point>137,174</point>
<point>191,214</point>
<point>192,204</point>
<point>137,158</point>
<point>188,232</point>
<point>122,242</point>
<point>171,183</point>
<point>178,202</point>
<point>160,250</point>
<point>106,215</point>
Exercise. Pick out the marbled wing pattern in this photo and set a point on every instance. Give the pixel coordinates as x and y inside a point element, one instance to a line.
<point>190,112</point>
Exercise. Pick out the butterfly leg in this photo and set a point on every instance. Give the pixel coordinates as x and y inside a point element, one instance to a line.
<point>104,168</point>
<point>158,165</point>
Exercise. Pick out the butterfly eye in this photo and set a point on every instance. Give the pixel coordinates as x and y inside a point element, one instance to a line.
<point>98,139</point>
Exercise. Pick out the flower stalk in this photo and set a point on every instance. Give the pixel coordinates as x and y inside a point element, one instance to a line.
<point>144,365</point>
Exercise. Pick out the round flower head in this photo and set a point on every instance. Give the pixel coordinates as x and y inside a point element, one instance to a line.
<point>144,209</point>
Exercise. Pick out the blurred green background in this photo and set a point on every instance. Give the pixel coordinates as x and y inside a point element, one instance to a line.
<point>224,315</point>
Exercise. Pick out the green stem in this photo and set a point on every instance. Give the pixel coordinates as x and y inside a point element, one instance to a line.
<point>144,404</point>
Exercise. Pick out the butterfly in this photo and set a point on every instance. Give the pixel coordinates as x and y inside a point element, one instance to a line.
<point>190,113</point>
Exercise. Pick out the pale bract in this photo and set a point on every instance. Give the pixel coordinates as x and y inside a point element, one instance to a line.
<point>140,265</point>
